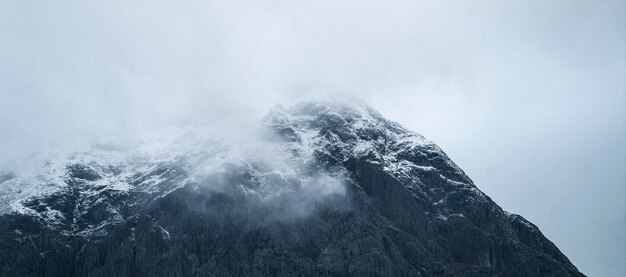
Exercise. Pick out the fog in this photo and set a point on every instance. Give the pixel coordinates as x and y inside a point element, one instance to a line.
<point>527,97</point>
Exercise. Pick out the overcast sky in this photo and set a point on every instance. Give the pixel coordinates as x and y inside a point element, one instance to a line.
<point>528,97</point>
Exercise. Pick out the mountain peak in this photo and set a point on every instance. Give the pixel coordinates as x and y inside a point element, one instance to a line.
<point>337,189</point>
<point>324,112</point>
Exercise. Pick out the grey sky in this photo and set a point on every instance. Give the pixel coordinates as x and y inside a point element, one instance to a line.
<point>528,97</point>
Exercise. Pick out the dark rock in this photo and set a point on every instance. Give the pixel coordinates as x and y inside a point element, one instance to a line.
<point>408,210</point>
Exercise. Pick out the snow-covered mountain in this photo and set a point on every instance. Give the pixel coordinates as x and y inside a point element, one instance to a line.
<point>320,189</point>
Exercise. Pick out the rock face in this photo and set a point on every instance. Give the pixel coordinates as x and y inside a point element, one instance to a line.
<point>352,194</point>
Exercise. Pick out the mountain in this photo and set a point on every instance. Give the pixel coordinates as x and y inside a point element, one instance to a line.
<point>320,189</point>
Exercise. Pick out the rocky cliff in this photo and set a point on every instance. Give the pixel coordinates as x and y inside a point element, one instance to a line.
<point>336,190</point>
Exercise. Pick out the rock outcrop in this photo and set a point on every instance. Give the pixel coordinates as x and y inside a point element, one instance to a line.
<point>353,194</point>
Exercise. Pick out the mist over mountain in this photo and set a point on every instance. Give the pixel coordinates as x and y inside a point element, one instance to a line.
<point>318,189</point>
<point>527,97</point>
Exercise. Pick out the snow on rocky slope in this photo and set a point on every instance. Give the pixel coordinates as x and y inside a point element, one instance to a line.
<point>320,188</point>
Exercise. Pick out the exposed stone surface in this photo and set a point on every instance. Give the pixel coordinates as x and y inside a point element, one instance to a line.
<point>403,208</point>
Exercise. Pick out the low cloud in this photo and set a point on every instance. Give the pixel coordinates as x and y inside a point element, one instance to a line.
<point>495,83</point>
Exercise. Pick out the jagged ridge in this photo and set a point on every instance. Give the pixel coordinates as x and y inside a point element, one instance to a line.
<point>357,195</point>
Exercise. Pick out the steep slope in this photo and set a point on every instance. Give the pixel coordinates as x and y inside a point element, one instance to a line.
<point>337,191</point>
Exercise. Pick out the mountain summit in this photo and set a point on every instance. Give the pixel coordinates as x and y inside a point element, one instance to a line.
<point>322,189</point>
